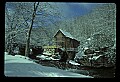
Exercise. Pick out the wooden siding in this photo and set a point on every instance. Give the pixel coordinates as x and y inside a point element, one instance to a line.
<point>65,42</point>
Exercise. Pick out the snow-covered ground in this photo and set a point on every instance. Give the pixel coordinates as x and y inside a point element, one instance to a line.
<point>73,62</point>
<point>18,66</point>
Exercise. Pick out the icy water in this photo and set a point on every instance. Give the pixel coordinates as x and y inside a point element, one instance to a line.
<point>95,72</point>
<point>100,72</point>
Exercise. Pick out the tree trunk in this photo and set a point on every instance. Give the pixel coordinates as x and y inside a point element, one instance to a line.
<point>27,47</point>
<point>27,50</point>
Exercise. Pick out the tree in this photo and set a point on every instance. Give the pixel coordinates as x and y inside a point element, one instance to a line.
<point>29,16</point>
<point>15,20</point>
<point>42,14</point>
<point>11,22</point>
<point>29,32</point>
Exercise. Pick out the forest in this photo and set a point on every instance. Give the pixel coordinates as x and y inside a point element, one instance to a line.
<point>34,24</point>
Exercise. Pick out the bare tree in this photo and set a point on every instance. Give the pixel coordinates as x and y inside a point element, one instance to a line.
<point>29,32</point>
<point>43,14</point>
<point>28,16</point>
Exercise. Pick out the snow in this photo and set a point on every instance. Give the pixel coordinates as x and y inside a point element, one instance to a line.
<point>6,53</point>
<point>89,39</point>
<point>54,58</point>
<point>73,62</point>
<point>47,53</point>
<point>17,59</point>
<point>67,34</point>
<point>95,57</point>
<point>86,48</point>
<point>43,57</point>
<point>18,66</point>
<point>63,49</point>
<point>79,54</point>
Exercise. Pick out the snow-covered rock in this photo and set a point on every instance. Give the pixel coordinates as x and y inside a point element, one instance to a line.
<point>47,53</point>
<point>73,62</point>
<point>95,57</point>
<point>44,57</point>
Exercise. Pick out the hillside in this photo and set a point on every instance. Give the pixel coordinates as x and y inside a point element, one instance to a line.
<point>101,20</point>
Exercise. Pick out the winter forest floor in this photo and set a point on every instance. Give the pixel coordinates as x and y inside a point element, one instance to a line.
<point>101,72</point>
<point>19,66</point>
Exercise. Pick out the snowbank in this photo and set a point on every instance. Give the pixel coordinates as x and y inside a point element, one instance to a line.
<point>43,57</point>
<point>18,66</point>
<point>17,59</point>
<point>47,53</point>
<point>6,53</point>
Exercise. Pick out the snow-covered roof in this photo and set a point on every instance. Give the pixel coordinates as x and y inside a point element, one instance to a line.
<point>66,34</point>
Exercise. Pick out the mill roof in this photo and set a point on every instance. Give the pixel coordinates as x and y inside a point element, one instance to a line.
<point>66,34</point>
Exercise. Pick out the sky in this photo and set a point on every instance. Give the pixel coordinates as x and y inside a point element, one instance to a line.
<point>69,9</point>
<point>76,9</point>
<point>73,9</point>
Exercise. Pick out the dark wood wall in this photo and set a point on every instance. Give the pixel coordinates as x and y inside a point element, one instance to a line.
<point>65,42</point>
